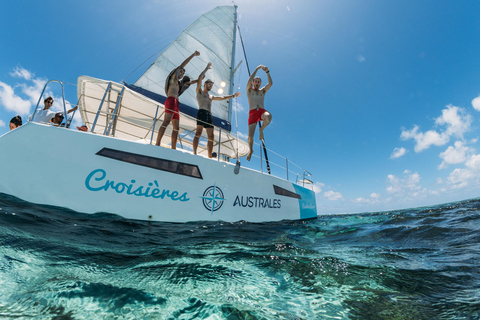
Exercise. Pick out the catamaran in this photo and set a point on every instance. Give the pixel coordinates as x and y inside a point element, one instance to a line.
<point>115,166</point>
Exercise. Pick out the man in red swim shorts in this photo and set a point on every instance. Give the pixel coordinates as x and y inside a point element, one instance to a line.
<point>174,88</point>
<point>255,115</point>
<point>172,107</point>
<point>256,97</point>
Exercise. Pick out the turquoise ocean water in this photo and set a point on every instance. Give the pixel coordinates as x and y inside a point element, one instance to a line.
<point>421,263</point>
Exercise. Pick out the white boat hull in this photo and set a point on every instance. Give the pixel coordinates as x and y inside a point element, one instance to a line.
<point>73,169</point>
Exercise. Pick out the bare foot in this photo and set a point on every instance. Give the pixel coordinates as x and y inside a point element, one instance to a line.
<point>249,155</point>
<point>260,135</point>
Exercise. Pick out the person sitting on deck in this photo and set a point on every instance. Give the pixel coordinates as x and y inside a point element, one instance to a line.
<point>57,119</point>
<point>46,115</point>
<point>204,115</point>
<point>174,88</point>
<point>15,122</point>
<point>256,97</point>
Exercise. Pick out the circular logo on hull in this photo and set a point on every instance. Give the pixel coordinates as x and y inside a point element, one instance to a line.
<point>213,198</point>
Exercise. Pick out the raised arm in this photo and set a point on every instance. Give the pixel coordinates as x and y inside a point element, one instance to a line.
<point>219,98</point>
<point>252,76</point>
<point>192,82</point>
<point>184,63</point>
<point>73,109</point>
<point>202,76</point>
<point>270,82</point>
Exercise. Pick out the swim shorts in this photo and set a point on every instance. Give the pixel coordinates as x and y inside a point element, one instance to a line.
<point>204,118</point>
<point>255,115</point>
<point>171,106</point>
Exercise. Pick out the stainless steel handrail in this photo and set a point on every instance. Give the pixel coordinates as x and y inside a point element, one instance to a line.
<point>302,178</point>
<point>41,95</point>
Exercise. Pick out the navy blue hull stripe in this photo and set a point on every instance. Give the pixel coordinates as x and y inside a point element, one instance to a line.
<point>183,107</point>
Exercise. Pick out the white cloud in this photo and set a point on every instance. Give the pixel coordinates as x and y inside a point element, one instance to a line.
<point>398,152</point>
<point>407,187</point>
<point>476,103</point>
<point>456,122</point>
<point>21,98</point>
<point>317,187</point>
<point>463,177</point>
<point>361,58</point>
<point>456,119</point>
<point>424,140</point>
<point>33,92</point>
<point>473,162</point>
<point>12,102</point>
<point>332,195</point>
<point>242,135</point>
<point>237,106</point>
<point>459,178</point>
<point>20,72</point>
<point>374,198</point>
<point>2,124</point>
<point>455,154</point>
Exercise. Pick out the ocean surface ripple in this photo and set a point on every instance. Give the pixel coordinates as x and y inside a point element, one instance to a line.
<point>418,263</point>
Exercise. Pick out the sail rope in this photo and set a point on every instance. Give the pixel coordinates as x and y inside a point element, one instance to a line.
<point>236,109</point>
<point>243,47</point>
<point>260,123</point>
<point>141,64</point>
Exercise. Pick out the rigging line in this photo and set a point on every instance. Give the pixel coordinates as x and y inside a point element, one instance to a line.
<point>236,113</point>
<point>260,123</point>
<point>243,47</point>
<point>123,80</point>
<point>239,76</point>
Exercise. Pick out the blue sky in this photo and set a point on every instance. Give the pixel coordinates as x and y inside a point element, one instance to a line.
<point>379,100</point>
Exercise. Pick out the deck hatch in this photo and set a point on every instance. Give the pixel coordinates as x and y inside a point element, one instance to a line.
<point>176,167</point>
<point>285,192</point>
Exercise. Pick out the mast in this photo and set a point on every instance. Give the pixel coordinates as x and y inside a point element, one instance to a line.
<point>232,65</point>
<point>210,34</point>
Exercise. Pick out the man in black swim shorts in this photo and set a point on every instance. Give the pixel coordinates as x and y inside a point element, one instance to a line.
<point>204,115</point>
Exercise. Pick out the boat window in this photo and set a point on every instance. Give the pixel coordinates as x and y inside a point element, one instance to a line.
<point>176,167</point>
<point>285,192</point>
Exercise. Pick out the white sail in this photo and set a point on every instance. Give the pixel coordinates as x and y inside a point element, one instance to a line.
<point>213,36</point>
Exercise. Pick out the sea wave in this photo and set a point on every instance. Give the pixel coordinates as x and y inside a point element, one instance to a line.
<point>419,263</point>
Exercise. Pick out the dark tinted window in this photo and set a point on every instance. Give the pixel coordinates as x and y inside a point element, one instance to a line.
<point>185,169</point>
<point>286,193</point>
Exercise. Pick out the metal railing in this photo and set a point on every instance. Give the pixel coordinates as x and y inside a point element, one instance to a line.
<point>41,95</point>
<point>302,176</point>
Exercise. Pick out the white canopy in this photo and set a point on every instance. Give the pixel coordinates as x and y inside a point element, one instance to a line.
<point>137,115</point>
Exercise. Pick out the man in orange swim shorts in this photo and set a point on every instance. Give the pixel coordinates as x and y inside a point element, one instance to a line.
<point>174,88</point>
<point>256,97</point>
